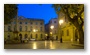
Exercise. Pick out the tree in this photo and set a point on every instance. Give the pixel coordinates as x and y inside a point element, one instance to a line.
<point>10,11</point>
<point>75,14</point>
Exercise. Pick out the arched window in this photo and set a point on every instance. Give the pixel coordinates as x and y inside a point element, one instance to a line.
<point>26,36</point>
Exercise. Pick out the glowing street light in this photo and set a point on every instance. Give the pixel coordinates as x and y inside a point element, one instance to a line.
<point>52,27</point>
<point>34,30</point>
<point>60,22</point>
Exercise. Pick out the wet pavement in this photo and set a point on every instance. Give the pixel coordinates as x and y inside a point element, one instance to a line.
<point>43,45</point>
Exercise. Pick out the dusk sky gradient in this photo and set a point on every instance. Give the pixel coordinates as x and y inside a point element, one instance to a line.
<point>44,11</point>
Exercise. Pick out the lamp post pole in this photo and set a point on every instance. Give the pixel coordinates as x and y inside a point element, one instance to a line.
<point>52,31</point>
<point>60,22</point>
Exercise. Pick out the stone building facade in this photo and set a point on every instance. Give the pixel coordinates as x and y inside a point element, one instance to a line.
<point>27,28</point>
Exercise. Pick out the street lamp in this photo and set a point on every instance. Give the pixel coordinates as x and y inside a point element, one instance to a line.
<point>35,30</point>
<point>52,30</point>
<point>60,22</point>
<point>52,27</point>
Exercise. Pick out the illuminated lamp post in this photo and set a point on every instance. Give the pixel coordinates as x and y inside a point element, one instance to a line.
<point>60,22</point>
<point>52,30</point>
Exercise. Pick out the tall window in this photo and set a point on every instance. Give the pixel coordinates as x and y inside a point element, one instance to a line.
<point>31,28</point>
<point>67,32</point>
<point>41,23</point>
<point>40,28</point>
<point>9,28</point>
<point>26,22</point>
<point>20,28</point>
<point>41,35</point>
<point>26,36</point>
<point>20,22</point>
<point>54,21</point>
<point>25,28</point>
<point>8,36</point>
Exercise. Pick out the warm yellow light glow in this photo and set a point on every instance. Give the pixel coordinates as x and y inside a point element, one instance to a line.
<point>34,45</point>
<point>35,30</point>
<point>52,27</point>
<point>51,45</point>
<point>45,44</point>
<point>46,34</point>
<point>60,22</point>
<point>50,32</point>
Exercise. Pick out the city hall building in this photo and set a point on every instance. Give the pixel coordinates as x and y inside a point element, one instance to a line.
<point>24,28</point>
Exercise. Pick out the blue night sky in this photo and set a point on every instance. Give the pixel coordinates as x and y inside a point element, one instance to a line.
<point>44,11</point>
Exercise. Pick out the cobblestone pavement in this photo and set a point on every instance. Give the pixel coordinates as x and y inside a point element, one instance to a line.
<point>43,45</point>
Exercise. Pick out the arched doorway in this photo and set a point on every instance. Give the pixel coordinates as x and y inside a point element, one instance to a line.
<point>26,36</point>
<point>20,35</point>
